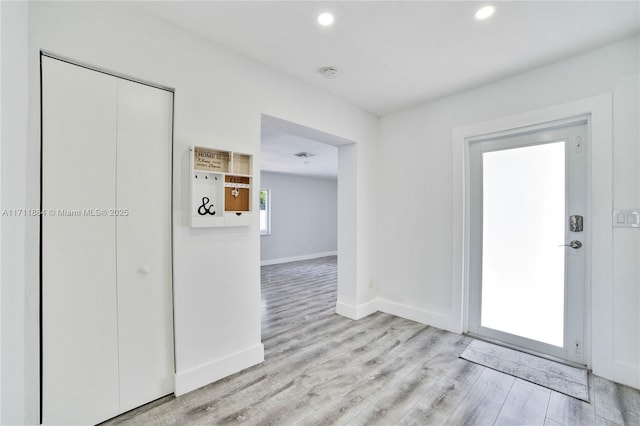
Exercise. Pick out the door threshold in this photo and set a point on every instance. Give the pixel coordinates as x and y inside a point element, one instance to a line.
<point>528,351</point>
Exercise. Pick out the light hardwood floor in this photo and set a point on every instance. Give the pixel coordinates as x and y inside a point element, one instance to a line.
<point>324,369</point>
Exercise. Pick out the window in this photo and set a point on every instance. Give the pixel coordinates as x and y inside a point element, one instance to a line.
<point>265,212</point>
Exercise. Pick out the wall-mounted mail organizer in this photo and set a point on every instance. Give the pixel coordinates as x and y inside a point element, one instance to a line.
<point>220,188</point>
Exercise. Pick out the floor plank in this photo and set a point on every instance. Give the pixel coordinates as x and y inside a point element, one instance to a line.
<point>606,402</point>
<point>437,404</point>
<point>526,404</point>
<point>567,411</point>
<point>394,402</point>
<point>484,400</point>
<point>630,404</point>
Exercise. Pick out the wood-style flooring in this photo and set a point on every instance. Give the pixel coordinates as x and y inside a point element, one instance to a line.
<point>324,369</point>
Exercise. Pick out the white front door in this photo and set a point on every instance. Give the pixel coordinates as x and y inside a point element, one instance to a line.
<point>528,239</point>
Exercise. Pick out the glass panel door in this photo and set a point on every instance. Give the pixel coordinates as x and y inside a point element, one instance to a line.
<point>526,280</point>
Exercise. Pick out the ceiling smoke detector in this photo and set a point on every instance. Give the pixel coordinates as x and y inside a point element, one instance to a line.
<point>329,72</point>
<point>304,154</point>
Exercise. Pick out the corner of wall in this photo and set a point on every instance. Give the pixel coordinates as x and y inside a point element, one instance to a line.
<point>210,372</point>
<point>356,312</point>
<point>434,319</point>
<point>627,374</point>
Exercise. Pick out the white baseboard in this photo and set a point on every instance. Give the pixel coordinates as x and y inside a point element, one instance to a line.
<point>433,319</point>
<point>210,372</point>
<point>356,312</point>
<point>297,258</point>
<point>627,374</point>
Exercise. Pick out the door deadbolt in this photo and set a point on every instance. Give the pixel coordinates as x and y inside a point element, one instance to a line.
<point>576,223</point>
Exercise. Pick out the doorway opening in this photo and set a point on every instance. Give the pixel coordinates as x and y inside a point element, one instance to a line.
<point>527,238</point>
<point>298,224</point>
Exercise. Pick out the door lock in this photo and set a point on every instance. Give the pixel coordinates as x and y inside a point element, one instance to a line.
<point>576,223</point>
<point>575,244</point>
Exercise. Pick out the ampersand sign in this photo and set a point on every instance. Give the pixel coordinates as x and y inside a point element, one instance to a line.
<point>204,209</point>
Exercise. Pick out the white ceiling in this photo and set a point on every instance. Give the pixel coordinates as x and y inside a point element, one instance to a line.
<point>282,139</point>
<point>395,54</point>
<point>276,155</point>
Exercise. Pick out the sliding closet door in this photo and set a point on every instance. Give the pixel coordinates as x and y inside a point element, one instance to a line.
<point>107,322</point>
<point>80,335</point>
<point>143,243</point>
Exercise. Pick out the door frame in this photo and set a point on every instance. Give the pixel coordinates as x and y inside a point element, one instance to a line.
<point>598,343</point>
<point>473,326</point>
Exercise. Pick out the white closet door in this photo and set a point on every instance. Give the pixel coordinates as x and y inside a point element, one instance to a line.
<point>106,244</point>
<point>80,339</point>
<point>145,324</point>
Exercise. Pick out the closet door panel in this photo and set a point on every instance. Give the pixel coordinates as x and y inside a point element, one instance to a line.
<point>80,341</point>
<point>144,243</point>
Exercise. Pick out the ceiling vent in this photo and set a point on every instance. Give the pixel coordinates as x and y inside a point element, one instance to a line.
<point>329,72</point>
<point>304,154</point>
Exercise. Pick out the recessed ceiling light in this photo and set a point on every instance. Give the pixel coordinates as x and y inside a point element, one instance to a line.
<point>485,12</point>
<point>325,19</point>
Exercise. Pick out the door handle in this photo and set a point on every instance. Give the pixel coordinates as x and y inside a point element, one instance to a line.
<point>575,244</point>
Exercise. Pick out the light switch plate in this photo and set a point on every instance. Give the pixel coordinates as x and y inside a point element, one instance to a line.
<point>627,218</point>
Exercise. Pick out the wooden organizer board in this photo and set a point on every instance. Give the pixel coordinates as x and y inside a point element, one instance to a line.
<point>221,188</point>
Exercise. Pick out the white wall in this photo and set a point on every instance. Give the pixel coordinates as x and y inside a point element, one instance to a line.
<point>626,241</point>
<point>304,217</point>
<point>19,363</point>
<point>219,99</point>
<point>416,246</point>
